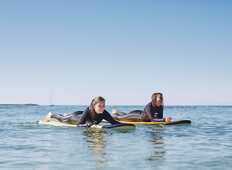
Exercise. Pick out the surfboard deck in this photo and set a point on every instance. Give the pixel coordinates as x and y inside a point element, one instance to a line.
<point>54,122</point>
<point>159,123</point>
<point>119,126</point>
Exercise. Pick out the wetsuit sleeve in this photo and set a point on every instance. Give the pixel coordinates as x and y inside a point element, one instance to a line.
<point>85,116</point>
<point>109,118</point>
<point>147,111</point>
<point>160,112</point>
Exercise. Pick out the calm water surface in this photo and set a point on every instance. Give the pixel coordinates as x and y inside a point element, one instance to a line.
<point>205,144</point>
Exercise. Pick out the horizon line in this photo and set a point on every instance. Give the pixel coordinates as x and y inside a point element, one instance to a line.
<point>34,104</point>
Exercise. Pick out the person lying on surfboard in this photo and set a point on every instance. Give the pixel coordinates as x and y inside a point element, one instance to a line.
<point>93,115</point>
<point>153,111</point>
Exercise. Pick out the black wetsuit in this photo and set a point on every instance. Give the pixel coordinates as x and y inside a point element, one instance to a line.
<point>85,117</point>
<point>89,118</point>
<point>149,113</point>
<point>153,112</point>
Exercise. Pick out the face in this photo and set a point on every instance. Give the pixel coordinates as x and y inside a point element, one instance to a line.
<point>158,102</point>
<point>99,107</point>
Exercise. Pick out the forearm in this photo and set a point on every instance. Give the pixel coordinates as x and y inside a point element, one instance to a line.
<point>110,119</point>
<point>158,120</point>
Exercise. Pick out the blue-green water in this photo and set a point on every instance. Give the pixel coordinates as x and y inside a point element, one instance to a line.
<point>205,144</point>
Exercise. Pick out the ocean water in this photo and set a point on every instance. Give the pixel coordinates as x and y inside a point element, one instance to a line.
<point>205,144</point>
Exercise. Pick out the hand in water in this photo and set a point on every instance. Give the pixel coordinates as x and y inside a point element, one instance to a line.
<point>157,120</point>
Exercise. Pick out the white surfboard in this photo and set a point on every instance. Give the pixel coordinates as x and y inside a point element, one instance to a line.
<point>56,123</point>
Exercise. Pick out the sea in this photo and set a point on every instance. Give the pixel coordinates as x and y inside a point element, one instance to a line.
<point>206,143</point>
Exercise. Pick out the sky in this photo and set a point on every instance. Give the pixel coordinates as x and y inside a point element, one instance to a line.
<point>123,50</point>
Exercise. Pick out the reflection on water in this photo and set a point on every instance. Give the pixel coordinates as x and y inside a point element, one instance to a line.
<point>96,143</point>
<point>157,143</point>
<point>205,144</point>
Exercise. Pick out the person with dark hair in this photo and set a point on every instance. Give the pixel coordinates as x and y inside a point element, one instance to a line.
<point>153,111</point>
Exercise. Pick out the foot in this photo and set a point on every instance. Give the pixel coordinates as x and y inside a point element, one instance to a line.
<point>47,117</point>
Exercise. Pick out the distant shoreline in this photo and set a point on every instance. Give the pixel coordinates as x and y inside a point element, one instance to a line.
<point>32,104</point>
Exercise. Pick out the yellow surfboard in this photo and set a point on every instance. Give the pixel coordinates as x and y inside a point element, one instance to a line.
<point>159,123</point>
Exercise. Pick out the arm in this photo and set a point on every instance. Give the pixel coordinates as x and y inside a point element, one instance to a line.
<point>160,116</point>
<point>158,120</point>
<point>160,112</point>
<point>109,118</point>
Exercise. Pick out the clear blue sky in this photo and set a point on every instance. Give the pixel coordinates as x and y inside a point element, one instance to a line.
<point>122,50</point>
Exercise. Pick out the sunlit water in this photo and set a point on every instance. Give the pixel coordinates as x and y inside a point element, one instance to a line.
<point>205,144</point>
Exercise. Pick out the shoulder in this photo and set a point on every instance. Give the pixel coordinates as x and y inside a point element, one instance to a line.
<point>86,111</point>
<point>148,105</point>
